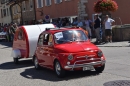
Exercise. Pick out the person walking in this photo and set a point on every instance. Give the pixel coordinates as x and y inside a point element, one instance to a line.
<point>97,27</point>
<point>87,26</point>
<point>108,22</point>
<point>11,32</point>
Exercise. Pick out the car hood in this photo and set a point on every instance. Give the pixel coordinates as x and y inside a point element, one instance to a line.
<point>75,47</point>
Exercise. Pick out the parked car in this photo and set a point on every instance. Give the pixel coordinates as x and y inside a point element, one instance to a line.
<point>25,40</point>
<point>3,36</point>
<point>67,49</point>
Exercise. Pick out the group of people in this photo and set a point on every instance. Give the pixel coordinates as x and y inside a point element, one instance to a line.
<point>61,22</point>
<point>90,26</point>
<point>9,30</point>
<point>107,25</point>
<point>97,26</point>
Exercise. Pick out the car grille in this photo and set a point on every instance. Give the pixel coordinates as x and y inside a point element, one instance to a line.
<point>2,36</point>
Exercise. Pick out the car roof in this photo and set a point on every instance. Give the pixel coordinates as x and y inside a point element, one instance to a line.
<point>54,30</point>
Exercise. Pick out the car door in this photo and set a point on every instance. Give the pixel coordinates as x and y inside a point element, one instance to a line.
<point>39,50</point>
<point>47,49</point>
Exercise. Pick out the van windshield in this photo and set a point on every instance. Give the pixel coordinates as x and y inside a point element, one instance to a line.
<point>70,36</point>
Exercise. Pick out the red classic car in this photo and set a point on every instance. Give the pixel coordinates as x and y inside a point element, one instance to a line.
<point>67,49</point>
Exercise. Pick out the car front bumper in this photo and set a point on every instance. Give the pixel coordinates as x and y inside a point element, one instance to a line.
<point>83,65</point>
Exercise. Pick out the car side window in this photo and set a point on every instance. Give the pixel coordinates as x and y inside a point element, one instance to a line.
<point>45,39</point>
<point>40,40</point>
<point>20,35</point>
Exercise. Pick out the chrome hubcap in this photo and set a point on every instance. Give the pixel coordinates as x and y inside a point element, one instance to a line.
<point>58,68</point>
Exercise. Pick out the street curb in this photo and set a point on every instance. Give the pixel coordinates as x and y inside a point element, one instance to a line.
<point>113,46</point>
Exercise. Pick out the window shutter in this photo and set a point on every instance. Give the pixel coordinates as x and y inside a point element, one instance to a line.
<point>55,1</point>
<point>50,2</point>
<point>24,6</point>
<point>30,4</point>
<point>45,3</point>
<point>37,4</point>
<point>42,3</point>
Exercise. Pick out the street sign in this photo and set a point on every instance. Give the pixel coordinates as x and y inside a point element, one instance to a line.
<point>83,6</point>
<point>84,1</point>
<point>83,14</point>
<point>81,9</point>
<point>47,18</point>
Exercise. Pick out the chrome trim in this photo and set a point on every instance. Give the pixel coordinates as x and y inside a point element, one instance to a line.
<point>86,55</point>
<point>85,64</point>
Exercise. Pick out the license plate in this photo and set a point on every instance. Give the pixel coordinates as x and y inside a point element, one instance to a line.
<point>88,68</point>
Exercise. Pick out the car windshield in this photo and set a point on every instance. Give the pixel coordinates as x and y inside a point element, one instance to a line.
<point>70,36</point>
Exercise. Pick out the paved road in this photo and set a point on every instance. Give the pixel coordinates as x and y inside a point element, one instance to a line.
<point>24,74</point>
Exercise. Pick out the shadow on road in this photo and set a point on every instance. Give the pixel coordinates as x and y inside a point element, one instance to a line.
<point>11,65</point>
<point>43,74</point>
<point>8,44</point>
<point>49,75</point>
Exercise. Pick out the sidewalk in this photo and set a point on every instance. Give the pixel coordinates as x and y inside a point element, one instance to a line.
<point>113,44</point>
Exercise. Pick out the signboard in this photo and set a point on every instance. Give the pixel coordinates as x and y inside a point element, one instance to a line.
<point>81,9</point>
<point>47,18</point>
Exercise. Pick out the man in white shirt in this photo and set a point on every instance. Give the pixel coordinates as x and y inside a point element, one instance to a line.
<point>108,28</point>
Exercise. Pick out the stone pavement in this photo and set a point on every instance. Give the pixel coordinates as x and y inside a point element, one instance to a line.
<point>113,44</point>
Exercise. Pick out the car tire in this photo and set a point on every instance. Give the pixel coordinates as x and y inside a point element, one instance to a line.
<point>100,69</point>
<point>36,63</point>
<point>16,60</point>
<point>60,72</point>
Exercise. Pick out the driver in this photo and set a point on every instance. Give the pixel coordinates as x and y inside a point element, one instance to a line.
<point>79,36</point>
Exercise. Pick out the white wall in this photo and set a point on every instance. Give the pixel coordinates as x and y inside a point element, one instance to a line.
<point>6,19</point>
<point>0,14</point>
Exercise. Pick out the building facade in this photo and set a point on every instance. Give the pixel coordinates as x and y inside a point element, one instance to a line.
<point>70,8</point>
<point>121,16</point>
<point>22,11</point>
<point>5,15</point>
<point>57,9</point>
<point>28,12</point>
<point>0,15</point>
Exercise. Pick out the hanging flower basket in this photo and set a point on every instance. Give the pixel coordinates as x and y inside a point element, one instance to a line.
<point>105,5</point>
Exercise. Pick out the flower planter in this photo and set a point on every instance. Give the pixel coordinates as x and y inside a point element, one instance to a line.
<point>105,5</point>
<point>121,33</point>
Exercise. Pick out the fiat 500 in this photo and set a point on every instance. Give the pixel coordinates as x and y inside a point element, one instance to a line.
<point>67,49</point>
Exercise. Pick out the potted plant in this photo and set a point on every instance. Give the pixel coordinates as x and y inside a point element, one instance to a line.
<point>105,5</point>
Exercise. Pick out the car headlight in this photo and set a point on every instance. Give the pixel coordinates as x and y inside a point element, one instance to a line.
<point>100,54</point>
<point>70,57</point>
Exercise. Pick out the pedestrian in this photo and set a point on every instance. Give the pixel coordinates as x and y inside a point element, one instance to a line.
<point>88,23</point>
<point>11,32</point>
<point>80,23</point>
<point>97,27</point>
<point>108,22</point>
<point>75,22</point>
<point>15,26</point>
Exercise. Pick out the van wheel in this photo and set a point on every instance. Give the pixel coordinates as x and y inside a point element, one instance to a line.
<point>16,60</point>
<point>60,72</point>
<point>100,69</point>
<point>36,64</point>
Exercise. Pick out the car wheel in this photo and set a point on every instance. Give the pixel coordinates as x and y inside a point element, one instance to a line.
<point>100,69</point>
<point>16,60</point>
<point>36,64</point>
<point>60,72</point>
